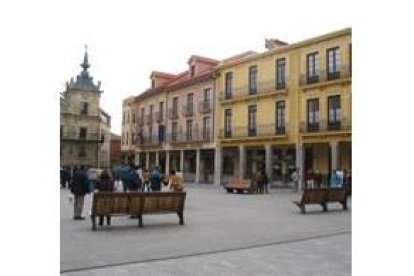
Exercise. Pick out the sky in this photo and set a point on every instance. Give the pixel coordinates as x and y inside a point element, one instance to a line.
<point>127,41</point>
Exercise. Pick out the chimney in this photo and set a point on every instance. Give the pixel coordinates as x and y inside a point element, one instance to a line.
<point>272,43</point>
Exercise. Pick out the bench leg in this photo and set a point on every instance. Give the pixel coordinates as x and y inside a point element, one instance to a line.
<point>181,217</point>
<point>325,207</point>
<point>345,204</point>
<point>140,221</point>
<point>229,190</point>
<point>93,223</point>
<point>302,209</point>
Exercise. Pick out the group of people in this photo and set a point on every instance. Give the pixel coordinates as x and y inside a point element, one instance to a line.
<point>260,182</point>
<point>83,180</point>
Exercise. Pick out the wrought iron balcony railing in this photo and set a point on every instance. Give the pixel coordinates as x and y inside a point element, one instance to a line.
<point>188,109</point>
<point>149,140</point>
<point>326,126</point>
<point>205,106</point>
<point>258,131</point>
<point>159,117</point>
<point>172,113</point>
<point>322,76</point>
<point>76,136</point>
<point>194,136</point>
<point>262,88</point>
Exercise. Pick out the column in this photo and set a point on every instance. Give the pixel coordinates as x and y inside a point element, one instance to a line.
<point>299,164</point>
<point>197,176</point>
<point>182,161</point>
<point>268,150</point>
<point>242,159</point>
<point>217,166</point>
<point>334,155</point>
<point>147,160</point>
<point>137,158</point>
<point>167,162</point>
<point>157,158</point>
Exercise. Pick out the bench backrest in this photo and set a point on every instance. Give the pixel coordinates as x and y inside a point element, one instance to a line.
<point>239,183</point>
<point>106,203</point>
<point>336,195</point>
<point>313,196</point>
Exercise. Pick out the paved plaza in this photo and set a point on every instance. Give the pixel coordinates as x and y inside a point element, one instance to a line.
<point>224,234</point>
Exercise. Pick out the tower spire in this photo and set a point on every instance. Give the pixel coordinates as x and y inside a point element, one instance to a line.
<point>85,65</point>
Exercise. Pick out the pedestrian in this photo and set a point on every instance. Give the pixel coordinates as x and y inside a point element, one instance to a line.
<point>146,180</point>
<point>80,186</point>
<point>175,183</point>
<point>318,179</point>
<point>265,181</point>
<point>105,183</point>
<point>295,180</point>
<point>62,177</point>
<point>335,180</point>
<point>155,179</point>
<point>257,178</point>
<point>309,179</point>
<point>93,178</point>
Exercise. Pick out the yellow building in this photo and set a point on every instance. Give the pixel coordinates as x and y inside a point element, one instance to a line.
<point>286,108</point>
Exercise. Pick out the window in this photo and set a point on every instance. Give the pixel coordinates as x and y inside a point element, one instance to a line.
<point>82,132</point>
<point>280,73</point>
<point>153,83</point>
<point>313,114</point>
<point>126,138</point>
<point>61,131</point>
<point>206,128</point>
<point>189,132</point>
<point>252,128</point>
<point>207,94</point>
<point>128,117</point>
<point>151,109</point>
<point>133,117</point>
<point>123,118</point>
<point>227,122</point>
<point>192,70</point>
<point>174,131</point>
<point>175,106</point>
<point>190,103</point>
<point>150,133</point>
<point>280,117</point>
<point>253,80</point>
<point>132,138</point>
<point>312,61</point>
<point>350,59</point>
<point>333,63</point>
<point>229,85</point>
<point>84,110</point>
<point>161,111</point>
<point>334,112</point>
<point>82,151</point>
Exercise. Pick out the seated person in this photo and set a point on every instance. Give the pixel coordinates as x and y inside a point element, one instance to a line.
<point>175,183</point>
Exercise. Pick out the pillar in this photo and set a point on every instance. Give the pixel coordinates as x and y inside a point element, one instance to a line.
<point>299,164</point>
<point>217,166</point>
<point>334,155</point>
<point>242,159</point>
<point>182,161</point>
<point>197,176</point>
<point>167,162</point>
<point>147,160</point>
<point>137,158</point>
<point>268,160</point>
<point>157,158</point>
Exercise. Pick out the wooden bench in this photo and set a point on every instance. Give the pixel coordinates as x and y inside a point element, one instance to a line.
<point>137,204</point>
<point>322,196</point>
<point>239,185</point>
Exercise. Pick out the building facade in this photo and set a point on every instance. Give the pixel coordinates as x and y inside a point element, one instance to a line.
<point>115,155</point>
<point>84,127</point>
<point>286,108</point>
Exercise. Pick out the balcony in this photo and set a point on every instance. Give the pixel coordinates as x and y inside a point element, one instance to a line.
<point>150,119</point>
<point>196,136</point>
<point>150,141</point>
<point>205,106</point>
<point>76,136</point>
<point>140,121</point>
<point>263,88</point>
<point>324,126</point>
<point>159,117</point>
<point>188,109</point>
<point>172,113</point>
<point>324,77</point>
<point>258,131</point>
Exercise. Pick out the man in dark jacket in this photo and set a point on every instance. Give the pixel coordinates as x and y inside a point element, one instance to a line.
<point>155,180</point>
<point>80,186</point>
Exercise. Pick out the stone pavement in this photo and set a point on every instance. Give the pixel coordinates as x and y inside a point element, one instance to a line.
<point>225,234</point>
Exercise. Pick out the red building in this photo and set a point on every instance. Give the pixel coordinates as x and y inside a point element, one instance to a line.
<point>115,155</point>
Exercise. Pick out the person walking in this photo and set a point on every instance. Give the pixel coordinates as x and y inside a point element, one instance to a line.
<point>265,181</point>
<point>105,183</point>
<point>80,186</point>
<point>295,180</point>
<point>155,179</point>
<point>93,178</point>
<point>146,179</point>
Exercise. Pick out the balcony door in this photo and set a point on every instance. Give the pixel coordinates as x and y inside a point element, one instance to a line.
<point>252,120</point>
<point>313,115</point>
